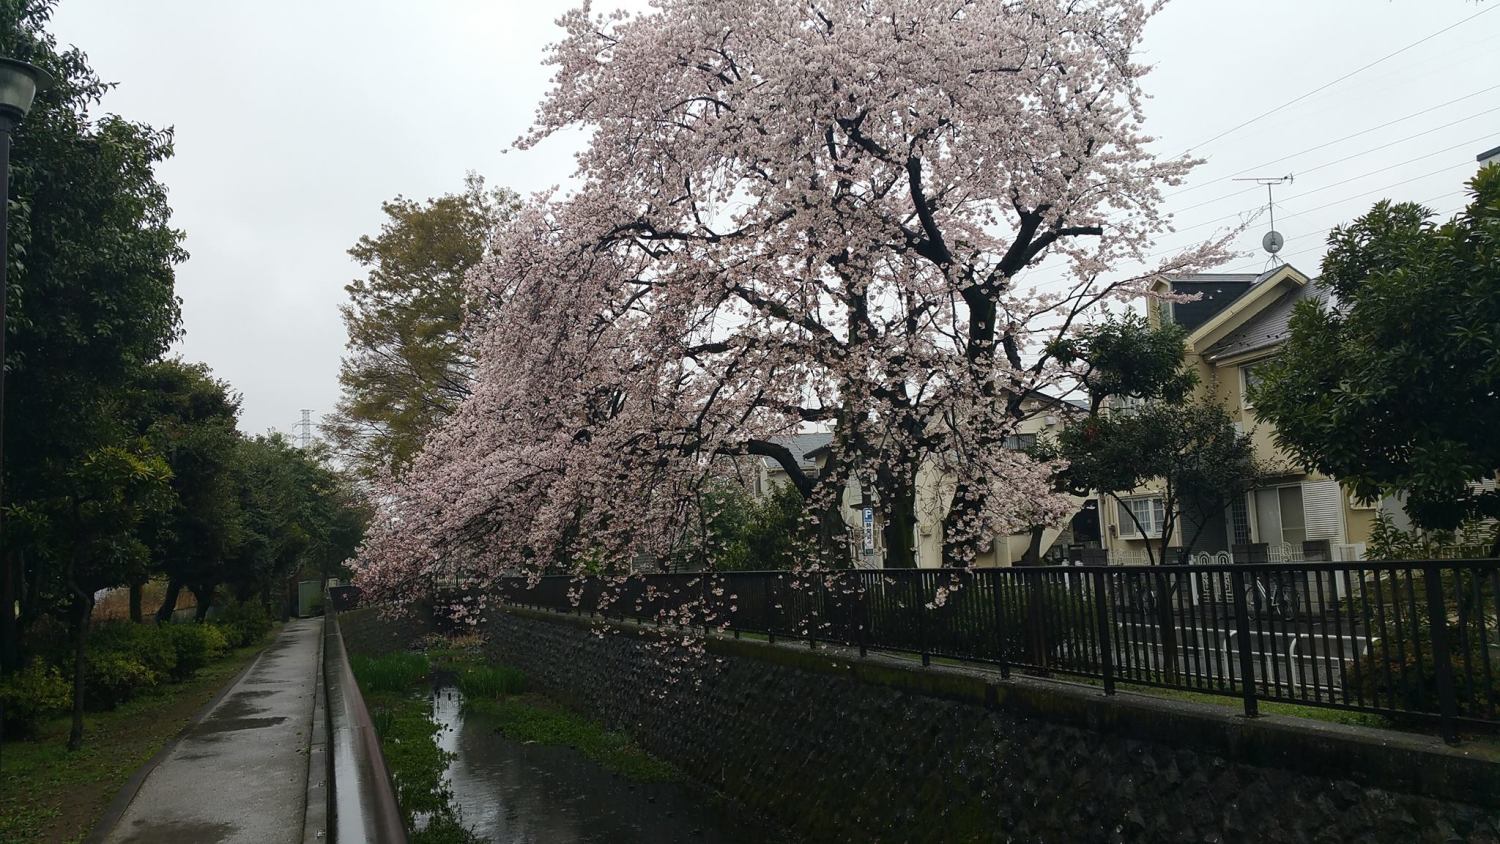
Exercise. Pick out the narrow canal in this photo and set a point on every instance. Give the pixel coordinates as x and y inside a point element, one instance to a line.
<point>509,792</point>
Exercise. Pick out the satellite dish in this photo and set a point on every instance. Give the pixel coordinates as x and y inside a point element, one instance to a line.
<point>1272,241</point>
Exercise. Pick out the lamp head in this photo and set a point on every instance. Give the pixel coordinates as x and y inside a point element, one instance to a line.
<point>19,84</point>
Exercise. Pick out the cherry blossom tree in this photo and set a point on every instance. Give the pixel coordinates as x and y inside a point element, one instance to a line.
<point>788,214</point>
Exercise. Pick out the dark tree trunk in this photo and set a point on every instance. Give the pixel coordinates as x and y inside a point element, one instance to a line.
<point>135,601</point>
<point>205,596</point>
<point>827,500</point>
<point>1033,555</point>
<point>169,601</point>
<point>10,628</point>
<point>899,512</point>
<point>82,609</point>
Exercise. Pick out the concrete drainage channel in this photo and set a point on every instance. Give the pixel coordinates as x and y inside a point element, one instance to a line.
<point>350,799</point>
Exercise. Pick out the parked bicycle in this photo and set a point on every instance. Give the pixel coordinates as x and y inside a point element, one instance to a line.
<point>1139,593</point>
<point>1273,594</point>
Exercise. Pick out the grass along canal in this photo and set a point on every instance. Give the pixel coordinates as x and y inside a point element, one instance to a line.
<point>477,757</point>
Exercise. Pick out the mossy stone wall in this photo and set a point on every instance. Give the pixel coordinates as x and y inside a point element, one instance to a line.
<point>839,750</point>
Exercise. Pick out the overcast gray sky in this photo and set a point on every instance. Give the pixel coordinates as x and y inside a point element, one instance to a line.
<point>296,120</point>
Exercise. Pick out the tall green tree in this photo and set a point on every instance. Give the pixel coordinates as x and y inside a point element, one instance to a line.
<point>302,518</point>
<point>110,493</point>
<point>1122,358</point>
<point>1126,357</point>
<point>90,296</point>
<point>1189,452</point>
<point>189,416</point>
<point>1393,384</point>
<point>408,364</point>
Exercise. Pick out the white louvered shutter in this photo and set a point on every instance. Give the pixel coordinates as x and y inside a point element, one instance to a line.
<point>1321,503</point>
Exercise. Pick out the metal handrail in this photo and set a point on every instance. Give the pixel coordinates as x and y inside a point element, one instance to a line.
<point>362,800</point>
<point>1406,639</point>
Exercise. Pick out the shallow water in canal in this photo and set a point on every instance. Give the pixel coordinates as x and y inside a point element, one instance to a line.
<point>514,793</point>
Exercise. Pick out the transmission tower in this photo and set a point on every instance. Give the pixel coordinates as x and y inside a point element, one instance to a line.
<point>305,429</point>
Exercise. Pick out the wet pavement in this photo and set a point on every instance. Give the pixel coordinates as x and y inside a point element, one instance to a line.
<point>240,774</point>
<point>514,793</point>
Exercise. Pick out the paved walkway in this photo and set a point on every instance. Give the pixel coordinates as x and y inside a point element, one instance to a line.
<point>240,775</point>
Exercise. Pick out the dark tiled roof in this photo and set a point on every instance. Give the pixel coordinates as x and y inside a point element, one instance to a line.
<point>803,446</point>
<point>1267,328</point>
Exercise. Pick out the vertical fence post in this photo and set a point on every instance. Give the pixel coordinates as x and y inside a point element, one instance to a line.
<point>997,582</point>
<point>919,607</point>
<point>770,605</point>
<point>1242,632</point>
<point>1101,615</point>
<point>821,602</point>
<point>861,615</point>
<point>1442,656</point>
<point>704,584</point>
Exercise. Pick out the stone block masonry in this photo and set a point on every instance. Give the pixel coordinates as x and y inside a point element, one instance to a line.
<point>837,748</point>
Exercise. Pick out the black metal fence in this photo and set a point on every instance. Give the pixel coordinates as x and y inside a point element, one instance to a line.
<point>1408,640</point>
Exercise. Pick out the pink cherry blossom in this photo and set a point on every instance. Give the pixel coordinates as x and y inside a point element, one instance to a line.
<point>788,214</point>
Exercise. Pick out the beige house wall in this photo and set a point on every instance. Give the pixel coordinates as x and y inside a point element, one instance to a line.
<point>1222,383</point>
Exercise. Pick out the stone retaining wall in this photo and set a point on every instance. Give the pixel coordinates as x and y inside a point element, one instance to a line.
<point>842,749</point>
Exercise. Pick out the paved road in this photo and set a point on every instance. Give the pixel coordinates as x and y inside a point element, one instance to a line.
<point>239,775</point>
<point>1304,659</point>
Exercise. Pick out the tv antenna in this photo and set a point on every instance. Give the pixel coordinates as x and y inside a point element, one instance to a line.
<point>1272,241</point>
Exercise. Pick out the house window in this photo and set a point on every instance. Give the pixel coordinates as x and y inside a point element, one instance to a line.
<point>1020,442</point>
<point>1163,312</point>
<point>1279,516</point>
<point>1249,380</point>
<point>1149,512</point>
<point>1239,520</point>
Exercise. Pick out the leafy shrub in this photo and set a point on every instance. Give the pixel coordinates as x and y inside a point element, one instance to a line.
<point>144,643</point>
<point>1397,678</point>
<point>243,623</point>
<point>196,646</point>
<point>112,677</point>
<point>31,695</point>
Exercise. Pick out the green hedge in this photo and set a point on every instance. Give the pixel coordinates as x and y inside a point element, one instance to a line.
<point>244,623</point>
<point>31,696</point>
<point>123,660</point>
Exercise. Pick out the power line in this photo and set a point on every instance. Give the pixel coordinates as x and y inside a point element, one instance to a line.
<point>1350,137</point>
<point>1238,214</point>
<point>1328,85</point>
<point>1064,279</point>
<point>1440,214</point>
<point>1233,194</point>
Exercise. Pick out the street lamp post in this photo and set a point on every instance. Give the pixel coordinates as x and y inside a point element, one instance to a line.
<point>19,83</point>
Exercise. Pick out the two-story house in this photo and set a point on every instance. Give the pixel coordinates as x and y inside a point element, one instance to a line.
<point>1238,322</point>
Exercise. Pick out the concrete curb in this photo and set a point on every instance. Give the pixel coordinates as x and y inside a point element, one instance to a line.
<point>362,798</point>
<point>122,799</point>
<point>315,828</point>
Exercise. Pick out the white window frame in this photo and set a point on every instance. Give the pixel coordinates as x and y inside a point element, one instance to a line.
<point>1127,526</point>
<point>1245,368</point>
<point>1257,533</point>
